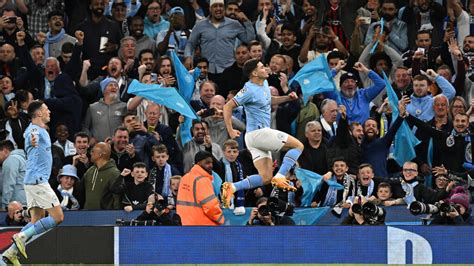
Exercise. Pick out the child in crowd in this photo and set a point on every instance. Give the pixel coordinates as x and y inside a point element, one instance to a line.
<point>384,196</point>
<point>135,194</point>
<point>230,169</point>
<point>173,195</point>
<point>161,173</point>
<point>329,196</point>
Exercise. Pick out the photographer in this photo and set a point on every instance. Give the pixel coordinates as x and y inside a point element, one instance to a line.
<point>459,211</point>
<point>16,215</point>
<point>265,214</point>
<point>363,212</point>
<point>157,211</point>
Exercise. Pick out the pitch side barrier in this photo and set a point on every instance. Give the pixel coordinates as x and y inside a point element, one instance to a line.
<point>396,215</point>
<point>237,244</point>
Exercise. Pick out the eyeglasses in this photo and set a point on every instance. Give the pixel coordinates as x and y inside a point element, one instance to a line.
<point>409,170</point>
<point>18,212</point>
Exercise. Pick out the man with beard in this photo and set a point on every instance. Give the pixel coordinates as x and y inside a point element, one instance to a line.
<point>104,116</point>
<point>136,31</point>
<point>397,39</point>
<point>91,92</point>
<point>196,203</point>
<point>146,58</point>
<point>102,37</point>
<point>56,87</point>
<point>217,47</point>
<point>319,42</point>
<point>54,39</point>
<point>357,100</point>
<point>201,141</point>
<point>166,73</point>
<point>176,37</point>
<point>376,149</point>
<point>425,15</point>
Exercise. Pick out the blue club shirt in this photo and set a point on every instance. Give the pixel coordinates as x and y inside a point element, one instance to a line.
<point>257,102</point>
<point>39,159</point>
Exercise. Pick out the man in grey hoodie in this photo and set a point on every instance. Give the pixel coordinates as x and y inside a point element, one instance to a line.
<point>13,163</point>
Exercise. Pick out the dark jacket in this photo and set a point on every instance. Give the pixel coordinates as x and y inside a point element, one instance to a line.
<point>344,145</point>
<point>421,192</point>
<point>448,149</point>
<point>65,104</point>
<point>123,160</point>
<point>135,195</point>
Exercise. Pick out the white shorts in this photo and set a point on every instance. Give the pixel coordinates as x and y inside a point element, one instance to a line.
<point>41,196</point>
<point>262,142</point>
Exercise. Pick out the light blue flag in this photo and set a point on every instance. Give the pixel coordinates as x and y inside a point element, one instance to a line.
<point>186,89</point>
<point>405,140</point>
<point>216,183</point>
<point>311,183</point>
<point>168,97</point>
<point>334,184</point>
<point>377,42</point>
<point>315,77</point>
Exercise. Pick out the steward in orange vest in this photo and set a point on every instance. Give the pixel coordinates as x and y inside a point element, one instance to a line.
<point>196,203</point>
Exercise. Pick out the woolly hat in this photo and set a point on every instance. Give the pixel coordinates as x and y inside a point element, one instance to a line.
<point>461,198</point>
<point>104,83</point>
<point>216,2</point>
<point>201,155</point>
<point>347,76</point>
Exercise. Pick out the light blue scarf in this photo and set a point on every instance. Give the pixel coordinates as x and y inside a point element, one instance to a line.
<point>166,180</point>
<point>410,195</point>
<point>240,196</point>
<point>68,197</point>
<point>51,40</point>
<point>331,195</point>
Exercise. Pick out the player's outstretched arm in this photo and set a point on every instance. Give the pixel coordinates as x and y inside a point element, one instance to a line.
<point>227,112</point>
<point>283,99</point>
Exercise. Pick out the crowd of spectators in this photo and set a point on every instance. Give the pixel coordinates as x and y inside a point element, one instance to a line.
<point>115,150</point>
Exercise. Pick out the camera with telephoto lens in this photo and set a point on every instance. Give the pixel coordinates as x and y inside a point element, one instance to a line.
<point>161,206</point>
<point>447,207</point>
<point>417,208</point>
<point>122,222</point>
<point>372,213</point>
<point>280,206</point>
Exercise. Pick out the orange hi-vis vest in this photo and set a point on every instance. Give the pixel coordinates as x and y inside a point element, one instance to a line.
<point>196,203</point>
